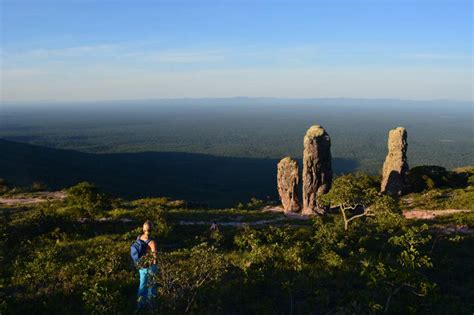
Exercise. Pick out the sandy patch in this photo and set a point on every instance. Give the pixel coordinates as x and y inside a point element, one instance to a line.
<point>32,198</point>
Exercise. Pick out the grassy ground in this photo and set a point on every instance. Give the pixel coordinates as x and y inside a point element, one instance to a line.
<point>440,198</point>
<point>59,262</point>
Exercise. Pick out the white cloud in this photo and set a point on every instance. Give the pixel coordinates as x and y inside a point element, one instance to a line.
<point>68,52</point>
<point>433,56</point>
<point>177,56</point>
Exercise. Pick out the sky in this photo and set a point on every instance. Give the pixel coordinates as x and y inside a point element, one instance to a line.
<point>85,50</point>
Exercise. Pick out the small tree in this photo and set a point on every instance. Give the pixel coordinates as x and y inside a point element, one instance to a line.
<point>356,196</point>
<point>155,213</point>
<point>4,186</point>
<point>183,274</point>
<point>400,266</point>
<point>87,198</point>
<point>255,204</point>
<point>38,186</point>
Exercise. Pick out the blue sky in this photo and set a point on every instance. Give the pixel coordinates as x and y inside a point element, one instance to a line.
<point>101,50</point>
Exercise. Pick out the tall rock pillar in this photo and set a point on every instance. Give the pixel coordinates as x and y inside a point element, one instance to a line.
<point>317,169</point>
<point>395,166</point>
<point>287,181</point>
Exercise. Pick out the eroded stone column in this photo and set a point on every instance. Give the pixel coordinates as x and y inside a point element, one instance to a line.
<point>395,167</point>
<point>287,181</point>
<point>317,169</point>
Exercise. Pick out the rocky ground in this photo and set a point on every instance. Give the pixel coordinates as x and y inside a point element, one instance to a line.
<point>32,198</point>
<point>431,214</point>
<point>240,220</point>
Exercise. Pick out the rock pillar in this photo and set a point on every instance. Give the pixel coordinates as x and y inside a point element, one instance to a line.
<point>287,181</point>
<point>317,169</point>
<point>395,167</point>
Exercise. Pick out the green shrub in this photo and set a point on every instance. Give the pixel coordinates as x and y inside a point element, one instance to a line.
<point>461,199</point>
<point>398,270</point>
<point>38,186</point>
<point>100,299</point>
<point>427,177</point>
<point>38,272</point>
<point>119,213</point>
<point>87,199</point>
<point>156,215</point>
<point>441,199</point>
<point>184,274</point>
<point>162,202</point>
<point>4,186</point>
<point>151,202</point>
<point>356,196</point>
<point>240,206</point>
<point>255,204</point>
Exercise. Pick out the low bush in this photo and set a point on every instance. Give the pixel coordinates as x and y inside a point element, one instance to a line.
<point>4,186</point>
<point>427,177</point>
<point>54,263</point>
<point>87,200</point>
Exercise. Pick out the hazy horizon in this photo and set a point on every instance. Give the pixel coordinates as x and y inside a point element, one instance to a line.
<point>265,100</point>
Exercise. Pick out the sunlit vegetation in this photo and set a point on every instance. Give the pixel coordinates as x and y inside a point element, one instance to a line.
<point>72,257</point>
<point>436,188</point>
<point>357,196</point>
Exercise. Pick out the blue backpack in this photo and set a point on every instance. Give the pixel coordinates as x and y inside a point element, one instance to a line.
<point>138,249</point>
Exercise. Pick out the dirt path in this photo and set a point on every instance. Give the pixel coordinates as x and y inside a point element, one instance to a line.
<point>413,214</point>
<point>32,198</point>
<point>450,229</point>
<point>289,216</point>
<point>408,214</point>
<point>233,223</point>
<point>430,214</point>
<point>39,197</point>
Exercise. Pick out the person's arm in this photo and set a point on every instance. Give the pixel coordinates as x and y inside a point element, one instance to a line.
<point>152,245</point>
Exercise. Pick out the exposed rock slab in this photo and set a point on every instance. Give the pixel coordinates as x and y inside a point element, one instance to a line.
<point>317,169</point>
<point>287,182</point>
<point>395,167</point>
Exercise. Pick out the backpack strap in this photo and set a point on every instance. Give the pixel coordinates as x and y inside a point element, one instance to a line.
<point>147,241</point>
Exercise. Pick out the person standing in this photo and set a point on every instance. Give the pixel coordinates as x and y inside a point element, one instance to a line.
<point>147,267</point>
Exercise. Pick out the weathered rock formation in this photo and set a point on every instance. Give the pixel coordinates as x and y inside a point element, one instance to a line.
<point>317,169</point>
<point>287,181</point>
<point>395,167</point>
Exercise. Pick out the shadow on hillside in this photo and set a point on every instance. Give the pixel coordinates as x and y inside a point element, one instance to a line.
<point>211,180</point>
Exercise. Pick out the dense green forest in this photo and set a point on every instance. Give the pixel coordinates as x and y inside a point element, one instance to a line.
<point>439,132</point>
<point>211,181</point>
<point>216,152</point>
<point>71,256</point>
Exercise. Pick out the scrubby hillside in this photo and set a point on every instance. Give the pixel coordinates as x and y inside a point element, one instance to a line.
<point>435,188</point>
<point>71,256</point>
